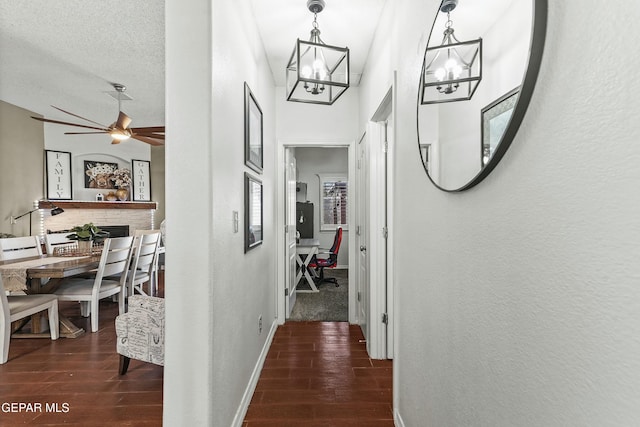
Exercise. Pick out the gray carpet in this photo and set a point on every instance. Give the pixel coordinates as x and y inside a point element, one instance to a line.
<point>330,304</point>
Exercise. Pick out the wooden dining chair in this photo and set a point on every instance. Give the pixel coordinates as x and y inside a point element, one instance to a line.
<point>114,261</point>
<point>19,247</point>
<point>18,307</point>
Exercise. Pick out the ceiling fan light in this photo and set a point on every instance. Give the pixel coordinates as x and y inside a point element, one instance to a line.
<point>120,135</point>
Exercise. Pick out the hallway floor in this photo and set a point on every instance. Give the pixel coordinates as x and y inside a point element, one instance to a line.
<point>319,374</point>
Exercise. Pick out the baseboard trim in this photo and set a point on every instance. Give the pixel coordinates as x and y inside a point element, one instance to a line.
<point>255,376</point>
<point>397,419</point>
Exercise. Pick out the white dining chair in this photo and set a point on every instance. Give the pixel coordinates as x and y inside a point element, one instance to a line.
<point>18,307</point>
<point>144,262</point>
<point>114,261</point>
<point>57,240</point>
<point>19,247</point>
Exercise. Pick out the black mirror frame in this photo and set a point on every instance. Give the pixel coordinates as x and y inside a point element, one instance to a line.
<point>538,36</point>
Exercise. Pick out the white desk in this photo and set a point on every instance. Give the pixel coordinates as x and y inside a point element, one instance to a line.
<point>308,247</point>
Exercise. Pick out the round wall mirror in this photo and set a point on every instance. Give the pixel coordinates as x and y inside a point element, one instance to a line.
<point>478,74</point>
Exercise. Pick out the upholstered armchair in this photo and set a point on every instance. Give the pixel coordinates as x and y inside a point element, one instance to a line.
<point>140,331</point>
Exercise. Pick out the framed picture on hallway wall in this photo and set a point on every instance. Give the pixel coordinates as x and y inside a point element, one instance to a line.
<point>59,181</point>
<point>253,141</point>
<point>141,180</point>
<point>252,212</point>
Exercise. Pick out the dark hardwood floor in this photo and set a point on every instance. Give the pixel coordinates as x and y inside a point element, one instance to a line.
<point>316,374</point>
<point>79,378</point>
<point>319,374</point>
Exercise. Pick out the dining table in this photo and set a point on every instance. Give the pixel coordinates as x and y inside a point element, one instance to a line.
<point>43,274</point>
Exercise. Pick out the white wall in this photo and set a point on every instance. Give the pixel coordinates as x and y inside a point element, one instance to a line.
<point>525,310</point>
<point>299,122</point>
<point>92,147</point>
<point>312,161</point>
<point>21,160</point>
<point>215,293</point>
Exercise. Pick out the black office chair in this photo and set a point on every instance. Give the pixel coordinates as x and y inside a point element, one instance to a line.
<point>321,263</point>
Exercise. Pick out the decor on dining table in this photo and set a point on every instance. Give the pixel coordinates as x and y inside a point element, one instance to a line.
<point>253,138</point>
<point>252,212</point>
<point>141,180</point>
<point>59,180</point>
<point>86,234</point>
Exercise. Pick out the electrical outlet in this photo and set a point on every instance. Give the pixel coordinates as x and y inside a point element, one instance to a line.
<point>260,325</point>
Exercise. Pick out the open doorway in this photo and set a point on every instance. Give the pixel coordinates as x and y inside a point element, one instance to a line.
<point>322,205</point>
<point>321,194</point>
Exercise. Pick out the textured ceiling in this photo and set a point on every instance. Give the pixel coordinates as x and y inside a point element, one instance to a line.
<point>68,52</point>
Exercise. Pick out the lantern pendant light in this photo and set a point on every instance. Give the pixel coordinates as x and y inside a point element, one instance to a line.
<point>317,73</point>
<point>452,71</point>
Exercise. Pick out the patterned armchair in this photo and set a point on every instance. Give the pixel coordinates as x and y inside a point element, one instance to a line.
<point>140,331</point>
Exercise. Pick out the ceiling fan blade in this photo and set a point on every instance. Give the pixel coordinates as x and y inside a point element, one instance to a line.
<point>68,124</point>
<point>83,133</point>
<point>151,135</point>
<point>116,141</point>
<point>153,129</point>
<point>123,121</point>
<point>80,117</point>
<point>148,140</point>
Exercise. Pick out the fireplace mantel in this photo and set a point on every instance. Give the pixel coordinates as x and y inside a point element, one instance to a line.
<point>82,204</point>
<point>137,215</point>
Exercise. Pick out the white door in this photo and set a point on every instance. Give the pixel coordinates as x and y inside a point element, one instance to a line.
<point>290,229</point>
<point>362,238</point>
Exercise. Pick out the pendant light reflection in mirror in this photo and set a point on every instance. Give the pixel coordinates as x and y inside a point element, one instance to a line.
<point>475,85</point>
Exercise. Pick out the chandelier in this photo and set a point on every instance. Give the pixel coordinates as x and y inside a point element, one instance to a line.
<point>451,71</point>
<point>317,73</point>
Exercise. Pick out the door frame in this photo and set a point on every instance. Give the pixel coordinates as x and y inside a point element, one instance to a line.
<point>280,220</point>
<point>380,342</point>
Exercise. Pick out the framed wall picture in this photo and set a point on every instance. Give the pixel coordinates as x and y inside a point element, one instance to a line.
<point>98,174</point>
<point>252,212</point>
<point>495,118</point>
<point>253,140</point>
<point>59,181</point>
<point>141,180</point>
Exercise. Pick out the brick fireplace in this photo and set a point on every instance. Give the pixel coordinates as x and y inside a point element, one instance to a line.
<point>135,215</point>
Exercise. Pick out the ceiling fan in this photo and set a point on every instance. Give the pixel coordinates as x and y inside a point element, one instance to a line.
<point>119,130</point>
